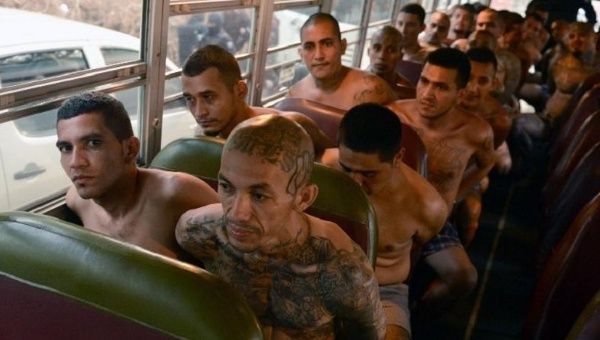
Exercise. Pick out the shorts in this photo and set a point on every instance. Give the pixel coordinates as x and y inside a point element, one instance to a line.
<point>394,299</point>
<point>446,238</point>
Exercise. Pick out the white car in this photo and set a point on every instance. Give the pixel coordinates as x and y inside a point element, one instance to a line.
<point>44,46</point>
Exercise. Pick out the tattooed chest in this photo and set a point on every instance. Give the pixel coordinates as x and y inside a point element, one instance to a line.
<point>282,297</point>
<point>446,164</point>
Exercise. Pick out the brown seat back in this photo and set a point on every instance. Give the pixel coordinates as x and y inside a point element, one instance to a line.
<point>569,280</point>
<point>410,70</point>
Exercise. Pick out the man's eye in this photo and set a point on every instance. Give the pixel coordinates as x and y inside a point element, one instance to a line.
<point>258,197</point>
<point>225,187</point>
<point>369,174</point>
<point>64,148</point>
<point>94,143</point>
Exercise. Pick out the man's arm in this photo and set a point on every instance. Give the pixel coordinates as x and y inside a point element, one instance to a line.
<point>483,141</point>
<point>196,228</point>
<point>191,192</point>
<point>434,215</point>
<point>351,292</point>
<point>374,90</point>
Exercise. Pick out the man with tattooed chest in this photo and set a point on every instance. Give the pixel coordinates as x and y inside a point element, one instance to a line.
<point>299,273</point>
<point>329,82</point>
<point>452,139</point>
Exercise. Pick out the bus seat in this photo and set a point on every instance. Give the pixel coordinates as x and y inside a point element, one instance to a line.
<point>328,118</point>
<point>580,187</point>
<point>410,70</point>
<point>570,278</point>
<point>61,281</point>
<point>587,326</point>
<point>589,103</point>
<point>561,165</point>
<point>405,92</point>
<point>340,199</point>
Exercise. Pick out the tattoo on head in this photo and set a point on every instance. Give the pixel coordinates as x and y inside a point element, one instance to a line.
<point>282,144</point>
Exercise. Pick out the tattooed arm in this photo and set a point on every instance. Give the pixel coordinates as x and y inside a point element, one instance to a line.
<point>374,90</point>
<point>351,292</point>
<point>483,141</point>
<point>196,228</point>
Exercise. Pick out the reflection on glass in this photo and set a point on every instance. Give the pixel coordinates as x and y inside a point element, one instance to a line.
<point>286,25</point>
<point>348,11</point>
<point>230,29</point>
<point>82,34</point>
<point>381,10</point>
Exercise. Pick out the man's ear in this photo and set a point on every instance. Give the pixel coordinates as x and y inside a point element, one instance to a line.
<point>306,196</point>
<point>241,88</point>
<point>344,44</point>
<point>399,157</point>
<point>131,148</point>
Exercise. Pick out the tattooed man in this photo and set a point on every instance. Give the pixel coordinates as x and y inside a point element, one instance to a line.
<point>298,272</point>
<point>452,138</point>
<point>329,82</point>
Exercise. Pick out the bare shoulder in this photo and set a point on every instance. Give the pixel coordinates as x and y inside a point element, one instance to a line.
<point>478,130</point>
<point>369,87</point>
<point>75,202</point>
<point>328,230</point>
<point>300,87</point>
<point>178,186</point>
<point>208,213</point>
<point>430,204</point>
<point>403,107</point>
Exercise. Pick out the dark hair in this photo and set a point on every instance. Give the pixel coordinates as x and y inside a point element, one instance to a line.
<point>537,6</point>
<point>112,111</point>
<point>510,20</point>
<point>213,56</point>
<point>388,31</point>
<point>322,17</point>
<point>535,17</point>
<point>453,59</point>
<point>482,55</point>
<point>416,9</point>
<point>371,128</point>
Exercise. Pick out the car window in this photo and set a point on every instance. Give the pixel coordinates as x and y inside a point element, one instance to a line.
<point>30,66</point>
<point>114,55</point>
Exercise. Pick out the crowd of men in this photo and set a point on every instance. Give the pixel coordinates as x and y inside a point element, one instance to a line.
<point>303,276</point>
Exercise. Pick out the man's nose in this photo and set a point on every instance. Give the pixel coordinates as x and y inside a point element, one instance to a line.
<point>241,209</point>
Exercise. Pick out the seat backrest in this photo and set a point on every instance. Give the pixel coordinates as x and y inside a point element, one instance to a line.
<point>589,103</point>
<point>587,326</point>
<point>563,164</point>
<point>329,118</point>
<point>340,199</point>
<point>410,70</point>
<point>58,280</point>
<point>570,278</point>
<point>581,186</point>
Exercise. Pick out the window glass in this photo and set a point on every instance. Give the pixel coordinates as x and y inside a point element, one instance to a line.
<point>348,12</point>
<point>230,29</point>
<point>66,37</point>
<point>118,55</point>
<point>24,67</point>
<point>381,10</point>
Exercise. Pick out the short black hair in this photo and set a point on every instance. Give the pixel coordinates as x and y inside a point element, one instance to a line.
<point>213,56</point>
<point>416,9</point>
<point>112,111</point>
<point>320,17</point>
<point>482,55</point>
<point>371,128</point>
<point>453,59</point>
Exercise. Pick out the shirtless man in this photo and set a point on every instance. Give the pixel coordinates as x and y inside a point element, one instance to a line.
<point>110,194</point>
<point>298,273</point>
<point>476,99</point>
<point>329,82</point>
<point>461,23</point>
<point>436,31</point>
<point>371,154</point>
<point>384,53</point>
<point>215,93</point>
<point>452,138</point>
<point>410,21</point>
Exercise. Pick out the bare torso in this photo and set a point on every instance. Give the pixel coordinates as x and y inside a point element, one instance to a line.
<point>450,147</point>
<point>357,87</point>
<point>152,213</point>
<point>421,217</point>
<point>496,116</point>
<point>296,293</point>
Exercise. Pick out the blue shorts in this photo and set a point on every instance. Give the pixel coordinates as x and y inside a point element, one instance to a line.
<point>446,238</point>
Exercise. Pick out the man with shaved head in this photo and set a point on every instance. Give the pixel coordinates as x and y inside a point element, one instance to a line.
<point>298,273</point>
<point>436,31</point>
